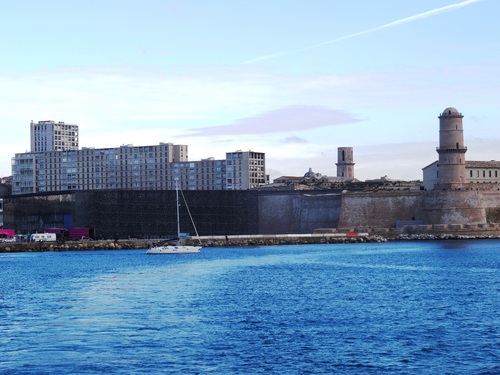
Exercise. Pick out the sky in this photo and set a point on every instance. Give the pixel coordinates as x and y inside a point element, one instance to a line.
<point>291,78</point>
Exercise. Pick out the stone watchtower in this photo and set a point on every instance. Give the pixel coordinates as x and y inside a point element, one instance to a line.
<point>451,150</point>
<point>345,164</point>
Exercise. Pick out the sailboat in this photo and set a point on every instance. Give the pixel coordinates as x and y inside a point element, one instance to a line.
<point>178,247</point>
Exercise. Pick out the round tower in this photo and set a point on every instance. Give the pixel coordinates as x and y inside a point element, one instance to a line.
<point>451,150</point>
<point>345,163</point>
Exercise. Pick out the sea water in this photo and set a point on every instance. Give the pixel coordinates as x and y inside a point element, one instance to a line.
<point>402,308</point>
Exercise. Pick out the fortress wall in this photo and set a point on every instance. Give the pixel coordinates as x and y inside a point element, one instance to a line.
<point>454,207</point>
<point>491,199</point>
<point>297,212</point>
<point>152,213</point>
<point>379,209</point>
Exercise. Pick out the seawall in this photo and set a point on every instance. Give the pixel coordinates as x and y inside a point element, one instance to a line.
<point>407,233</point>
<point>151,214</point>
<point>207,241</point>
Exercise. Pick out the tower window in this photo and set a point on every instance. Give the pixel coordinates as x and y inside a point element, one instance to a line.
<point>457,144</point>
<point>343,155</point>
<point>471,173</point>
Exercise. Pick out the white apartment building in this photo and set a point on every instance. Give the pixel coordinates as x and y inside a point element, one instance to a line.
<point>245,170</point>
<point>53,136</point>
<point>134,168</point>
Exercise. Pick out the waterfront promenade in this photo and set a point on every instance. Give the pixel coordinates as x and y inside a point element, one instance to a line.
<point>207,241</point>
<point>255,240</point>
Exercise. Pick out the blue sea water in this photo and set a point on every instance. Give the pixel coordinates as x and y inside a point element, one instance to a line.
<point>395,308</point>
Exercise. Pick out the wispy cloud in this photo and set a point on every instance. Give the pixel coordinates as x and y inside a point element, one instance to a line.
<point>295,140</point>
<point>429,13</point>
<point>287,119</point>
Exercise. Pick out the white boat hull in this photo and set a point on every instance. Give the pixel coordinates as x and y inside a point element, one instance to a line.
<point>174,249</point>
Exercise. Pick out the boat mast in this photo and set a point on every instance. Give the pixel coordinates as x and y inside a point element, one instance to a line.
<point>177,204</point>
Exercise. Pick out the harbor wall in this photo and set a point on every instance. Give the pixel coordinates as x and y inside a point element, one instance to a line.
<point>297,212</point>
<point>456,206</point>
<point>379,209</point>
<point>151,214</point>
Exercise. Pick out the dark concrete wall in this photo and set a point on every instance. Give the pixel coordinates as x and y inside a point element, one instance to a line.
<point>5,190</point>
<point>29,214</point>
<point>153,213</point>
<point>121,213</point>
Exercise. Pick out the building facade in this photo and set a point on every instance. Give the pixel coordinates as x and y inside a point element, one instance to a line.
<point>476,172</point>
<point>133,168</point>
<point>245,170</point>
<point>53,136</point>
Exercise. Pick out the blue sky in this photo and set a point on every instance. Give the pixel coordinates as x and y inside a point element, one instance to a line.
<point>290,78</point>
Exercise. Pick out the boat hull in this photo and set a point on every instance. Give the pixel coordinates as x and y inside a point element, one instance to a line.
<point>174,249</point>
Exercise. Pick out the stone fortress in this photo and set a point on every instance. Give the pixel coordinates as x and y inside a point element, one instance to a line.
<point>453,197</point>
<point>457,196</point>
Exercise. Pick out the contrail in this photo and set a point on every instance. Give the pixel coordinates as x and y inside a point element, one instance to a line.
<point>402,21</point>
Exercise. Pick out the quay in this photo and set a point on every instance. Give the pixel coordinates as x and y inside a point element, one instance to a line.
<point>324,237</point>
<point>207,241</point>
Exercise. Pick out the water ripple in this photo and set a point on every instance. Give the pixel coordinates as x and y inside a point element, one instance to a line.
<point>367,308</point>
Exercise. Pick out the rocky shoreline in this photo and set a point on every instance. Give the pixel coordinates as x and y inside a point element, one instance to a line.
<point>445,236</point>
<point>232,241</point>
<point>135,244</point>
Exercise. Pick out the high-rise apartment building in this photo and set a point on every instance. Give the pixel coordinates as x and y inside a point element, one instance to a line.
<point>134,168</point>
<point>53,136</point>
<point>245,170</point>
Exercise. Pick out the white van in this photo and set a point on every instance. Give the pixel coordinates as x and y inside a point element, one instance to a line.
<point>43,237</point>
